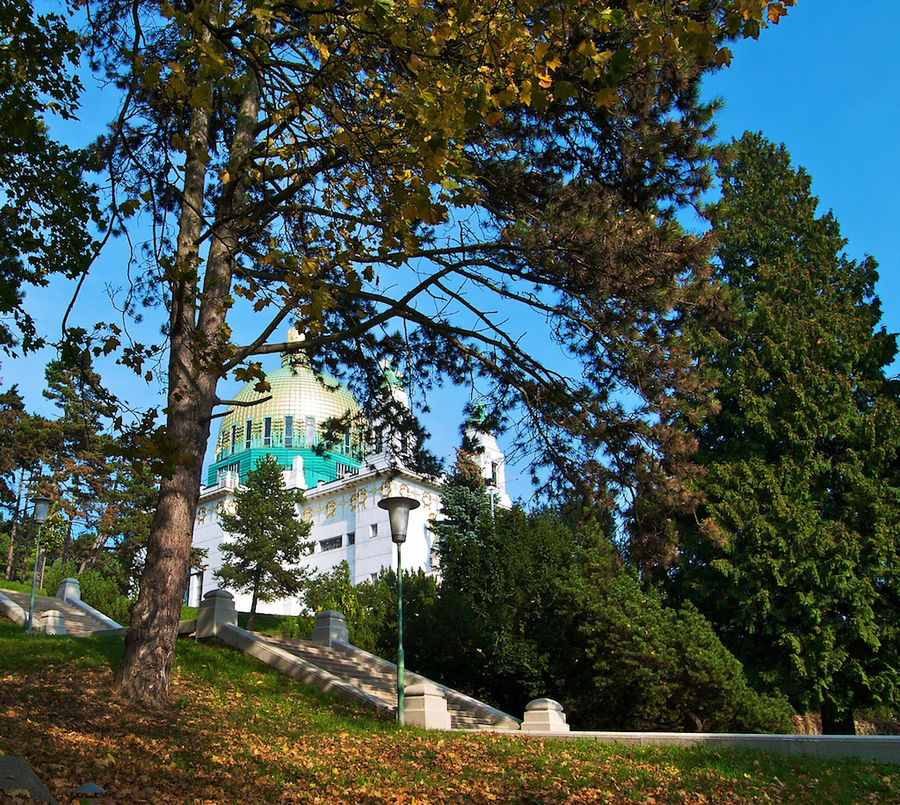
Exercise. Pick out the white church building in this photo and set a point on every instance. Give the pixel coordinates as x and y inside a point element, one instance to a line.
<point>341,482</point>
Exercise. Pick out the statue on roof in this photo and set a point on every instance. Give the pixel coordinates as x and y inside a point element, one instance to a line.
<point>477,415</point>
<point>392,379</point>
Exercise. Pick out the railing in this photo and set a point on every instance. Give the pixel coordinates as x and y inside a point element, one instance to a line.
<point>291,442</point>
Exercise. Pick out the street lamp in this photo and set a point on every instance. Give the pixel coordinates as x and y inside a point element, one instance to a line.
<point>398,509</point>
<point>41,507</point>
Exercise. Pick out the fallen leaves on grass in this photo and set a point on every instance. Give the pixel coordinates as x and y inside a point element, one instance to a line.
<point>239,733</point>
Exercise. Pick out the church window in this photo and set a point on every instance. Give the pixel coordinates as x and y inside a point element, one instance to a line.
<point>233,438</point>
<point>330,544</point>
<point>248,433</point>
<point>310,431</point>
<point>289,431</point>
<point>267,432</point>
<point>351,538</point>
<point>494,468</point>
<point>373,532</point>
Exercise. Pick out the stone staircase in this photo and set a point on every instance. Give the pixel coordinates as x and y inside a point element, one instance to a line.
<point>78,622</point>
<point>378,678</point>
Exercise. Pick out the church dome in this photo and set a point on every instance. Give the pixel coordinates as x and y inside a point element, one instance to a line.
<point>291,420</point>
<point>294,391</point>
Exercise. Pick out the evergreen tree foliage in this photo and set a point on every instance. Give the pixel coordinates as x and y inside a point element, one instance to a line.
<point>80,470</point>
<point>795,559</point>
<point>267,538</point>
<point>634,663</point>
<point>108,497</point>
<point>531,606</point>
<point>370,607</point>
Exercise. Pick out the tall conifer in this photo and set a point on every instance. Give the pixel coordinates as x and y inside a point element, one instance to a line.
<point>796,557</point>
<point>267,538</point>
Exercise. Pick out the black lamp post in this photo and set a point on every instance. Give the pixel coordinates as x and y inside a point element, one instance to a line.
<point>41,507</point>
<point>398,509</point>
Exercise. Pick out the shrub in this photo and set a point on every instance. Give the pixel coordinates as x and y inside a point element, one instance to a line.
<point>647,666</point>
<point>299,627</point>
<point>99,589</point>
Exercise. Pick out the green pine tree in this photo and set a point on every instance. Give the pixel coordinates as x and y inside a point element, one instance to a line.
<point>268,538</point>
<point>796,556</point>
<point>531,605</point>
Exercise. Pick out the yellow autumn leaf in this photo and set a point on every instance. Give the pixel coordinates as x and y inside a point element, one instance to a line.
<point>605,96</point>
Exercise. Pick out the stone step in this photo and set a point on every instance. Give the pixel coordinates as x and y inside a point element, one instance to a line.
<point>331,659</point>
<point>377,679</point>
<point>78,623</point>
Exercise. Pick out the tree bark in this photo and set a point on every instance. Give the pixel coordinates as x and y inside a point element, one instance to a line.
<point>251,621</point>
<point>99,541</point>
<point>11,553</point>
<point>150,642</point>
<point>197,331</point>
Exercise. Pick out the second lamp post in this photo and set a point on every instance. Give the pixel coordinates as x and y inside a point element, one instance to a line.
<point>41,507</point>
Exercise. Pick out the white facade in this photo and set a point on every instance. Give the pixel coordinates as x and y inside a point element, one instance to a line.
<point>341,485</point>
<point>347,526</point>
<point>492,462</point>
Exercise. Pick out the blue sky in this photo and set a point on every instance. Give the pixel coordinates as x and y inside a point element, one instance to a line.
<point>823,81</point>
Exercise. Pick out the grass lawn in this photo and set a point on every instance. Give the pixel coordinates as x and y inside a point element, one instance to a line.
<point>20,587</point>
<point>240,733</point>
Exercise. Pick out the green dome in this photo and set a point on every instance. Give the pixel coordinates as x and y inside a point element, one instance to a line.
<point>290,423</point>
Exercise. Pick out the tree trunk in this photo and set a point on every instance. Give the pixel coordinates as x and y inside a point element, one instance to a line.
<point>64,557</point>
<point>837,721</point>
<point>196,333</point>
<point>41,561</point>
<point>251,621</point>
<point>99,541</point>
<point>11,553</point>
<point>150,642</point>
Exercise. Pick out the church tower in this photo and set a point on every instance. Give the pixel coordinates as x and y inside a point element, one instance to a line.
<point>488,456</point>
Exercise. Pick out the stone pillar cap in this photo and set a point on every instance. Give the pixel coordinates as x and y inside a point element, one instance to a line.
<point>218,593</point>
<point>330,613</point>
<point>544,704</point>
<point>423,689</point>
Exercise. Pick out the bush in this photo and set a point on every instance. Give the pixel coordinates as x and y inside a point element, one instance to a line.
<point>98,589</point>
<point>56,572</point>
<point>299,627</point>
<point>647,666</point>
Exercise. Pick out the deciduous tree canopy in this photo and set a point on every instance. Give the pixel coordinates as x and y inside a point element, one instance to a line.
<point>45,205</point>
<point>388,175</point>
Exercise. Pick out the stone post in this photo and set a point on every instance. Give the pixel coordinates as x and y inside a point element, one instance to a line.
<point>69,590</point>
<point>330,628</point>
<point>216,608</point>
<point>544,715</point>
<point>425,706</point>
<point>52,622</point>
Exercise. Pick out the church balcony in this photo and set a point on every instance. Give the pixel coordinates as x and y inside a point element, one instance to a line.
<point>279,441</point>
